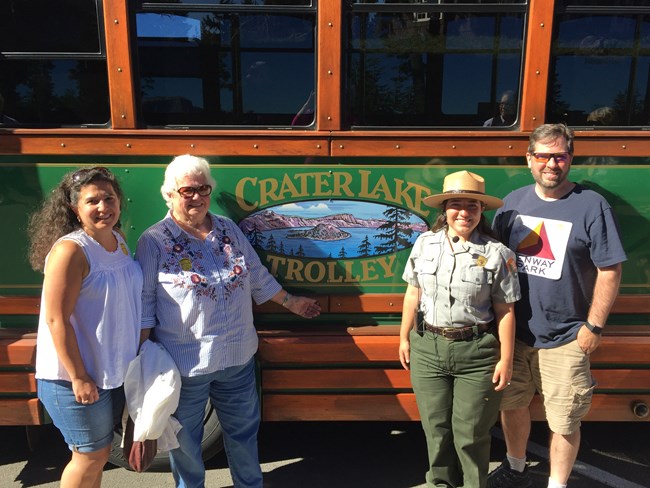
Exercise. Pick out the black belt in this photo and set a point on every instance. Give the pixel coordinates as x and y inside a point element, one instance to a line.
<point>459,333</point>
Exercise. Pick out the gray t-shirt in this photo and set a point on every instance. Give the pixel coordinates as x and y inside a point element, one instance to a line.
<point>559,246</point>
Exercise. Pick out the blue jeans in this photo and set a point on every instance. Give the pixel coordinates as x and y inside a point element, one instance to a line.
<point>85,428</point>
<point>233,395</point>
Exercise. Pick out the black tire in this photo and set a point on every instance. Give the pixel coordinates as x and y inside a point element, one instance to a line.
<point>211,444</point>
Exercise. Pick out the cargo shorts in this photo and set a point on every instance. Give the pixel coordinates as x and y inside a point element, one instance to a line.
<point>560,375</point>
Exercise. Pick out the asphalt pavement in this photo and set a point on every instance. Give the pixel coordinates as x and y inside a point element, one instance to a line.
<point>346,455</point>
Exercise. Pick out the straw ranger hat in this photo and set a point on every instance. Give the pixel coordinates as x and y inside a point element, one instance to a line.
<point>463,184</point>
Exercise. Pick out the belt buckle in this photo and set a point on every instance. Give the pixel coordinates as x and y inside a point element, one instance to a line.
<point>448,330</point>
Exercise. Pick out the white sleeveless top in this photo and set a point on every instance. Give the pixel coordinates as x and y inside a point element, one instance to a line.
<point>106,317</point>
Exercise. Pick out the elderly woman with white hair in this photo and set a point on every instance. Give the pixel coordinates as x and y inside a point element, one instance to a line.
<point>200,277</point>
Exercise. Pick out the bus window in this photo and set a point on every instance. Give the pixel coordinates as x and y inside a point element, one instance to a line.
<point>432,64</point>
<point>235,66</point>
<point>600,65</point>
<point>239,2</point>
<point>43,26</point>
<point>52,65</point>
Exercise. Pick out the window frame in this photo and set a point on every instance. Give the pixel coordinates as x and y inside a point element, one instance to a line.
<point>45,55</point>
<point>563,9</point>
<point>329,138</point>
<point>198,7</point>
<point>493,7</point>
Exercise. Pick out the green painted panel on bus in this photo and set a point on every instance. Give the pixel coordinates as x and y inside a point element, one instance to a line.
<point>328,226</point>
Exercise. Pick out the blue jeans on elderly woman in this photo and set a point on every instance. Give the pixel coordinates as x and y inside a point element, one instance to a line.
<point>233,394</point>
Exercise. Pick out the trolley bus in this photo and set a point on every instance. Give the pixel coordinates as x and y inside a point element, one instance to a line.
<point>346,113</point>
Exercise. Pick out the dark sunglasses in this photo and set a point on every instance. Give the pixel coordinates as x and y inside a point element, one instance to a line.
<point>561,157</point>
<point>84,173</point>
<point>190,191</point>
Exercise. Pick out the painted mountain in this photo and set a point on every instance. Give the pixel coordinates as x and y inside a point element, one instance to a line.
<point>270,220</point>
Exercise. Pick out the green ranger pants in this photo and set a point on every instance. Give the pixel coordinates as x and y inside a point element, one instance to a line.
<point>452,381</point>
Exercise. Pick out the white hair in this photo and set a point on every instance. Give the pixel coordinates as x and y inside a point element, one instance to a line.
<point>185,165</point>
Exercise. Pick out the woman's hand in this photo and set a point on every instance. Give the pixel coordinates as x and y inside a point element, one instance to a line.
<point>505,318</point>
<point>405,353</point>
<point>502,375</point>
<point>409,317</point>
<point>303,306</point>
<point>85,390</point>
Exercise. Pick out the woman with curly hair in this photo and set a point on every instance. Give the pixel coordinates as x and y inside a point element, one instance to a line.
<point>89,325</point>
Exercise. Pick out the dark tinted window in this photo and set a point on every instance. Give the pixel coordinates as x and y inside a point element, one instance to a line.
<point>603,3</point>
<point>464,2</point>
<point>431,65</point>
<point>55,92</point>
<point>52,65</point>
<point>260,3</point>
<point>61,26</point>
<point>226,67</point>
<point>600,65</point>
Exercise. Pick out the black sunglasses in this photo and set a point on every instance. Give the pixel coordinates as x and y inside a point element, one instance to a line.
<point>190,191</point>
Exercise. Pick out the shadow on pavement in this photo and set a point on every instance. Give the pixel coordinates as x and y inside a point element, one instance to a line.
<point>357,454</point>
<point>44,463</point>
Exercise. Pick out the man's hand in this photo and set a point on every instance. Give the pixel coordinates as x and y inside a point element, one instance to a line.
<point>587,340</point>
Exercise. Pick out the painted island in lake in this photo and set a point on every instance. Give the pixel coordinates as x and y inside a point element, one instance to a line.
<point>329,229</point>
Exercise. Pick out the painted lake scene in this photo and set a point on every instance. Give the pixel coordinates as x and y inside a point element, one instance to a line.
<point>332,229</point>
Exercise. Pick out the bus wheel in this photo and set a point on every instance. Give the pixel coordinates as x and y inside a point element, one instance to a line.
<point>211,444</point>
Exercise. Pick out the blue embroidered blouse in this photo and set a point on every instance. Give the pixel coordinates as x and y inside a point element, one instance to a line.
<point>198,294</point>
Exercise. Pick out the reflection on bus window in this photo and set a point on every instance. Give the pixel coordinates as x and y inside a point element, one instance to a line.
<point>506,112</point>
<point>602,116</point>
<point>43,26</point>
<point>225,69</point>
<point>55,93</point>
<point>238,2</point>
<point>52,66</point>
<point>431,69</point>
<point>601,60</point>
<point>6,120</point>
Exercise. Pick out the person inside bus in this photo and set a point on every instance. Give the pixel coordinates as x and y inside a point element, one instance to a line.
<point>89,323</point>
<point>569,252</point>
<point>201,276</point>
<point>507,111</point>
<point>457,330</point>
<point>602,116</point>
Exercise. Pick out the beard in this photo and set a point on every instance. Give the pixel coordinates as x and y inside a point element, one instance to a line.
<point>546,183</point>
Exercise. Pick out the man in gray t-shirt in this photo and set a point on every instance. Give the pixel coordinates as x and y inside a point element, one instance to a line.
<point>569,257</point>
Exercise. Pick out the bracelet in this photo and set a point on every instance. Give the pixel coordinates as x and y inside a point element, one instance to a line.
<point>286,299</point>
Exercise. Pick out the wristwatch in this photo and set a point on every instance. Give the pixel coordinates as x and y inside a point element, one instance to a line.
<point>594,328</point>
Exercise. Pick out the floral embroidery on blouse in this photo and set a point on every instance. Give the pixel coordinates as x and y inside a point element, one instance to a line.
<point>234,264</point>
<point>187,266</point>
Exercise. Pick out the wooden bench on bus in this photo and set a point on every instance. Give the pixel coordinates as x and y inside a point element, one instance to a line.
<point>352,372</point>
<point>18,402</point>
<point>330,370</point>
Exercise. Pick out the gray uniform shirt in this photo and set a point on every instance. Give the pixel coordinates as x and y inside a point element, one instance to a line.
<point>458,288</point>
